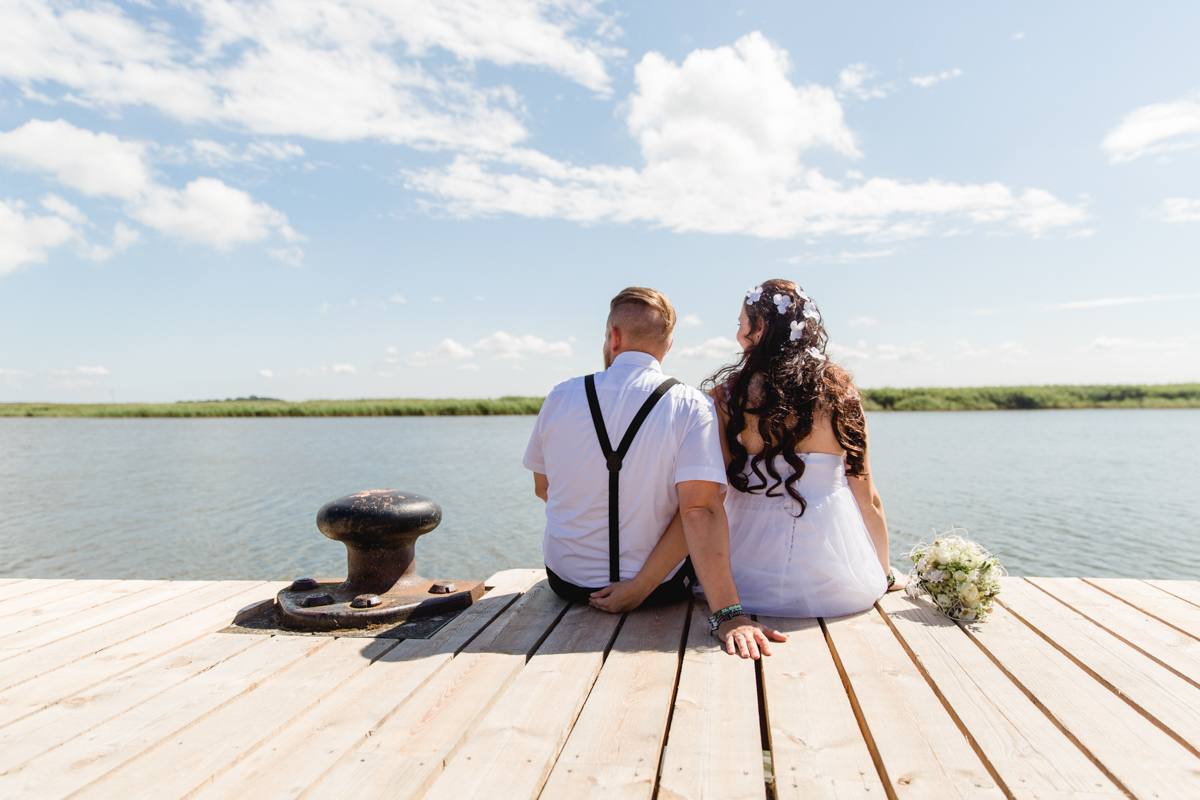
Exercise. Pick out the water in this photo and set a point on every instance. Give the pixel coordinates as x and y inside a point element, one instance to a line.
<point>1107,493</point>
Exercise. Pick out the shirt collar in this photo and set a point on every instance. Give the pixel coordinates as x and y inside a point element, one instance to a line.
<point>636,358</point>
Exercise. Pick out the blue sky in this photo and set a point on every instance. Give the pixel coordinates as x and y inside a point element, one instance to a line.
<point>217,198</point>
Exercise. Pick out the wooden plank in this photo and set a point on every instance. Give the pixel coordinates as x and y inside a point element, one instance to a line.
<point>1135,753</point>
<point>615,746</point>
<point>220,738</point>
<point>716,712</point>
<point>1147,633</point>
<point>923,752</point>
<point>8,581</point>
<point>86,757</point>
<point>1154,600</point>
<point>1031,755</point>
<point>817,747</point>
<point>1160,694</point>
<point>284,765</point>
<point>41,606</point>
<point>1185,590</point>
<point>517,743</point>
<point>70,666</point>
<point>88,617</point>
<point>405,754</point>
<point>20,588</point>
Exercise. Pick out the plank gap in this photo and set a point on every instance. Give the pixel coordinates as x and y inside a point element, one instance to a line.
<point>1191,748</point>
<point>987,764</point>
<point>683,638</point>
<point>1148,613</point>
<point>858,715</point>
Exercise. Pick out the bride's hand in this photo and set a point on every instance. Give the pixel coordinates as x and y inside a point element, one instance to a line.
<point>618,597</point>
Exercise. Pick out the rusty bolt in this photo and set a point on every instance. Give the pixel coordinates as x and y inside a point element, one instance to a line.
<point>317,600</point>
<point>366,601</point>
<point>302,585</point>
<point>443,587</point>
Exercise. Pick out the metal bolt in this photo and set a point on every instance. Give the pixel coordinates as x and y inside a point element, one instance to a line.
<point>302,585</point>
<point>443,587</point>
<point>366,601</point>
<point>317,600</point>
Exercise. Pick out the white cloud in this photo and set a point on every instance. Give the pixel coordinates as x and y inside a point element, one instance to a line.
<point>397,298</point>
<point>716,349</point>
<point>206,210</point>
<point>504,346</point>
<point>437,299</point>
<point>690,321</point>
<point>861,321</point>
<point>343,369</point>
<point>91,370</point>
<point>1118,301</point>
<point>883,352</point>
<point>722,136</point>
<point>852,81</point>
<point>266,373</point>
<point>1119,344</point>
<point>391,351</point>
<point>334,70</point>
<point>215,154</point>
<point>469,367</point>
<point>1005,350</point>
<point>1180,209</point>
<point>1155,128</point>
<point>447,350</point>
<point>27,239</point>
<point>849,258</point>
<point>925,81</point>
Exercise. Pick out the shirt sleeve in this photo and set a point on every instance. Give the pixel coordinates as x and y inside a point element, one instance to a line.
<point>700,456</point>
<point>535,459</point>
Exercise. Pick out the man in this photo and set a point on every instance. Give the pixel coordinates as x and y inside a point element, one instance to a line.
<point>617,457</point>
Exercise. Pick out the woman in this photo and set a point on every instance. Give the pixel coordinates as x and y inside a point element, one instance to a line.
<point>807,533</point>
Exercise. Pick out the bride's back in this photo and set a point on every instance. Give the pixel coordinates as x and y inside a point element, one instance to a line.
<point>821,439</point>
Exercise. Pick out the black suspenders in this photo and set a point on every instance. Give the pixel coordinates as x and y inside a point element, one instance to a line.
<point>614,460</point>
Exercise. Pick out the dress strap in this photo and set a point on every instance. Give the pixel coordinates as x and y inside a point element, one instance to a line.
<point>614,458</point>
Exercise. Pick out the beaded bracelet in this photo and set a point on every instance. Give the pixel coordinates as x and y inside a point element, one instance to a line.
<point>724,615</point>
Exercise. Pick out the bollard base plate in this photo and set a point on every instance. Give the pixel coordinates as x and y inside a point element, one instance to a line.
<point>327,606</point>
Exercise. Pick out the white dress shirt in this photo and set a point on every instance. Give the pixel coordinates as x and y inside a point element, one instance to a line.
<point>679,441</point>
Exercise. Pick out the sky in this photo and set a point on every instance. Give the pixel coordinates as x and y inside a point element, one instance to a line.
<point>412,198</point>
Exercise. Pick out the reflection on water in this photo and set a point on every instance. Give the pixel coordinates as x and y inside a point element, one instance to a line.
<point>1101,493</point>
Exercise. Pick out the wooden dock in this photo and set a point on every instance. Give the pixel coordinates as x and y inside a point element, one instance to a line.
<point>126,689</point>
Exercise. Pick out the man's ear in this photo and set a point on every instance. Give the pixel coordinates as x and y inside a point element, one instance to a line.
<point>614,339</point>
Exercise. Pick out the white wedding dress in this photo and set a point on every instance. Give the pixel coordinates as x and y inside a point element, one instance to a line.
<point>822,564</point>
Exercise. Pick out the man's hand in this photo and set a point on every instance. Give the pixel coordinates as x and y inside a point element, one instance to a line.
<point>901,582</point>
<point>618,597</point>
<point>746,638</point>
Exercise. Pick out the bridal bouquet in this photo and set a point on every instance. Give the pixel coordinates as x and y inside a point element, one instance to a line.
<point>960,576</point>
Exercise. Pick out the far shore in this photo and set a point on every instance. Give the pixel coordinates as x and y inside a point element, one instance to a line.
<point>984,398</point>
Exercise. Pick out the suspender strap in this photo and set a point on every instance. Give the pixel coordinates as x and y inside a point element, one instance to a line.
<point>614,459</point>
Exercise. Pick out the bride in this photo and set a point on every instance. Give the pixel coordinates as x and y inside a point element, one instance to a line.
<point>807,533</point>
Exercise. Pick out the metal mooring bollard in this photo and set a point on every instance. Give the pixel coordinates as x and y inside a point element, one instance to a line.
<point>380,530</point>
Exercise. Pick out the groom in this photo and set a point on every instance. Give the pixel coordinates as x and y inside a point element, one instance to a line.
<point>615,455</point>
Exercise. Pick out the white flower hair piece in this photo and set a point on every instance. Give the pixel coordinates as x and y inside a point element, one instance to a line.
<point>815,354</point>
<point>798,330</point>
<point>782,302</point>
<point>753,295</point>
<point>810,310</point>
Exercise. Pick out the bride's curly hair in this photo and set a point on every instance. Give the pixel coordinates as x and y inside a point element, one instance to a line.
<point>785,380</point>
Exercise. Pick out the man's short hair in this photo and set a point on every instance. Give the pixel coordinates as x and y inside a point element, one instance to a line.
<point>644,315</point>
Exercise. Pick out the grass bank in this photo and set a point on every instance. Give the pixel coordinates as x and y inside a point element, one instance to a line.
<point>258,407</point>
<point>990,398</point>
<point>984,398</point>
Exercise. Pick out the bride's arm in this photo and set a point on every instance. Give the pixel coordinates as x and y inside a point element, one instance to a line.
<point>628,595</point>
<point>871,505</point>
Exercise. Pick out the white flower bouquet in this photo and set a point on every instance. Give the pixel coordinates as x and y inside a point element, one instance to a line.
<point>961,577</point>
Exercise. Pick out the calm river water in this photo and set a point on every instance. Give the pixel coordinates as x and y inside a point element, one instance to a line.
<point>1094,492</point>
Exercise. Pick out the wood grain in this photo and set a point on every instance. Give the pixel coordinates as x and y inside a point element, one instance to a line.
<point>817,746</point>
<point>714,746</point>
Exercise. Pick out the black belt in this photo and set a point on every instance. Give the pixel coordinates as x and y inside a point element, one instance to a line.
<point>614,459</point>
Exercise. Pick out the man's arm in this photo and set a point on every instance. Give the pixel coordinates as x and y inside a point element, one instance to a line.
<point>666,555</point>
<point>541,486</point>
<point>706,529</point>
